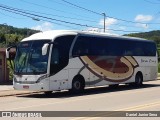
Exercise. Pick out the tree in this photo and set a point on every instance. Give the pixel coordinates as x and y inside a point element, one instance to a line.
<point>2,38</point>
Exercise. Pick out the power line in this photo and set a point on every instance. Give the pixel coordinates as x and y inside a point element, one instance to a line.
<point>60,24</point>
<point>106,15</point>
<point>35,15</point>
<point>42,6</point>
<point>8,10</point>
<point>61,16</point>
<point>83,16</point>
<point>36,18</point>
<point>72,17</point>
<point>64,17</point>
<point>56,10</point>
<point>75,18</point>
<point>69,18</point>
<point>82,8</point>
<point>31,15</point>
<point>10,16</point>
<point>55,1</point>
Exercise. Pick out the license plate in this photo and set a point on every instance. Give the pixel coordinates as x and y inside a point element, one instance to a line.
<point>26,87</point>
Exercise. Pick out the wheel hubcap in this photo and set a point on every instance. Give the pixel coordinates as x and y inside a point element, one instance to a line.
<point>77,85</point>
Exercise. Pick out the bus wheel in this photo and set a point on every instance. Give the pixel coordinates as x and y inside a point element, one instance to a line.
<point>77,85</point>
<point>138,80</point>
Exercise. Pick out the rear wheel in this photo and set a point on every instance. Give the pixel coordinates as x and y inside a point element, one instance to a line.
<point>138,80</point>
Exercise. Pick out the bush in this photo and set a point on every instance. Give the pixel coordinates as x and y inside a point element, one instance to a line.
<point>10,69</point>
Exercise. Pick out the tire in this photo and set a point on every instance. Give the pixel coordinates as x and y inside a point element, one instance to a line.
<point>77,85</point>
<point>138,80</point>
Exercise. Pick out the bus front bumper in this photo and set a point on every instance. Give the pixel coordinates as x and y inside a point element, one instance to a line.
<point>42,86</point>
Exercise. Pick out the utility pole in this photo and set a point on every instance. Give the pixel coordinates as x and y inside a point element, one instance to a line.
<point>104,21</point>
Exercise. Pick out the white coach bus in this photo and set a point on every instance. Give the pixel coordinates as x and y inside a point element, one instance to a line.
<point>72,60</point>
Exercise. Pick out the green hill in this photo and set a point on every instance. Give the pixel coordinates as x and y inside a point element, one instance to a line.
<point>11,35</point>
<point>152,35</point>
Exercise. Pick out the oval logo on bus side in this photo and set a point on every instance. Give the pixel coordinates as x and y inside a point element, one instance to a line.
<point>111,68</point>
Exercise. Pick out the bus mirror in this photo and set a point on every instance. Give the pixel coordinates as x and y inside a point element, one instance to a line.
<point>45,48</point>
<point>11,52</point>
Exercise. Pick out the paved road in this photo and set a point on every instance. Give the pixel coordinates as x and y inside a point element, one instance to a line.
<point>123,98</point>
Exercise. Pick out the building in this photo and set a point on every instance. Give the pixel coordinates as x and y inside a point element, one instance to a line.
<point>4,71</point>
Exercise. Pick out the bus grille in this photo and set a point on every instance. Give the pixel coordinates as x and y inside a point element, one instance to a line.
<point>26,82</point>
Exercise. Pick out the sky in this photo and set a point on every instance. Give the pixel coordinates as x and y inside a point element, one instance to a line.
<point>122,16</point>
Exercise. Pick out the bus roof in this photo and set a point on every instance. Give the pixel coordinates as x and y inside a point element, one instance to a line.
<point>49,35</point>
<point>56,33</point>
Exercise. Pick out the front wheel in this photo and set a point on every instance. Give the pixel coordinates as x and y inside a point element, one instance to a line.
<point>77,86</point>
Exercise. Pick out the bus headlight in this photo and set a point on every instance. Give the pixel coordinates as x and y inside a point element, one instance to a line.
<point>42,77</point>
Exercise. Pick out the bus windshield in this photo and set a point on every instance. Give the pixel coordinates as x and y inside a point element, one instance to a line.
<point>29,58</point>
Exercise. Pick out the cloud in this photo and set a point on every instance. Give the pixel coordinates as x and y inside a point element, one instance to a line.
<point>143,18</point>
<point>108,22</point>
<point>44,26</point>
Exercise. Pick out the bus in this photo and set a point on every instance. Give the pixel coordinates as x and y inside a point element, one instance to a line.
<point>73,60</point>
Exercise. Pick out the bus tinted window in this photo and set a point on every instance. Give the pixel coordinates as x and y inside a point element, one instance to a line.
<point>86,45</point>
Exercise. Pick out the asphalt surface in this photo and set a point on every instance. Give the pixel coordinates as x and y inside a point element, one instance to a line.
<point>123,98</point>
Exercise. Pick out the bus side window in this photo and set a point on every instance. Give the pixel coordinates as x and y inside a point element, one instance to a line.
<point>54,61</point>
<point>138,52</point>
<point>128,53</point>
<point>55,56</point>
